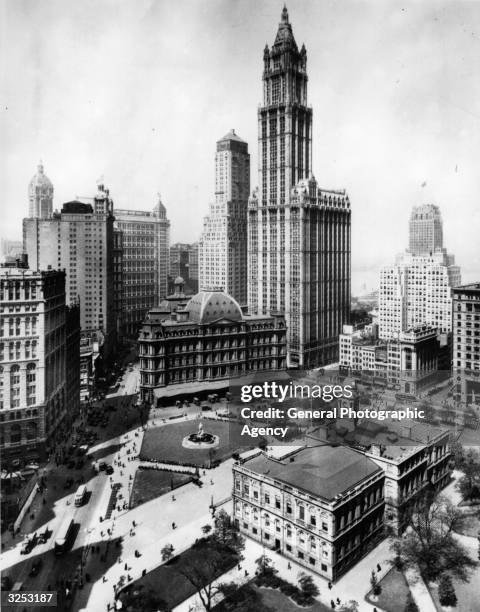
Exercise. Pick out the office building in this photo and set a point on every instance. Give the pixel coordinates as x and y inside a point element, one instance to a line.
<point>298,233</point>
<point>322,507</point>
<point>118,279</point>
<point>425,230</point>
<point>37,331</point>
<point>145,262</point>
<point>184,264</point>
<point>466,345</point>
<point>222,245</point>
<point>79,240</point>
<point>204,345</point>
<point>417,289</point>
<point>40,195</point>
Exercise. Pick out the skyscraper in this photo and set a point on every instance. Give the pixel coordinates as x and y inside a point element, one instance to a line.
<point>426,230</point>
<point>36,331</point>
<point>298,234</point>
<point>184,264</point>
<point>40,195</point>
<point>417,288</point>
<point>222,246</point>
<point>79,240</point>
<point>466,344</point>
<point>145,262</point>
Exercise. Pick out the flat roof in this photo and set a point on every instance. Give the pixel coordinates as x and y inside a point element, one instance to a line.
<point>322,471</point>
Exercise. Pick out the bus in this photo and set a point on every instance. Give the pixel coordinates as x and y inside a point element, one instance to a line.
<point>63,537</point>
<point>80,495</point>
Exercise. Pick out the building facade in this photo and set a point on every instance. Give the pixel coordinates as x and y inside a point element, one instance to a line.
<point>79,240</point>
<point>417,289</point>
<point>184,264</point>
<point>298,234</point>
<point>322,507</point>
<point>222,245</point>
<point>118,279</point>
<point>40,195</point>
<point>466,345</point>
<point>415,458</point>
<point>425,230</point>
<point>410,363</point>
<point>208,341</point>
<point>145,262</point>
<point>36,330</point>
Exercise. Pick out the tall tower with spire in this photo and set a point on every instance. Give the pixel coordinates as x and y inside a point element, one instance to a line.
<point>284,120</point>
<point>40,195</point>
<point>298,234</point>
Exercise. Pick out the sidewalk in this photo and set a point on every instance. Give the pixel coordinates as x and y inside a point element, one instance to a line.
<point>355,584</point>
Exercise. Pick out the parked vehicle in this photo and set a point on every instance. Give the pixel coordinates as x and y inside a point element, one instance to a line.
<point>36,567</point>
<point>109,470</point>
<point>80,495</point>
<point>102,466</point>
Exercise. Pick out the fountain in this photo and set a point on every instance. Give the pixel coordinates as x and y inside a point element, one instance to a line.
<point>200,439</point>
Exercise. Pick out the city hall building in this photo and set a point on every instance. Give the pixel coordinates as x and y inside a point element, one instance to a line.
<point>202,346</point>
<point>323,506</point>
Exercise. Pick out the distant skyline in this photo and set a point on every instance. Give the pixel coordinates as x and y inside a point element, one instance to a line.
<point>140,91</point>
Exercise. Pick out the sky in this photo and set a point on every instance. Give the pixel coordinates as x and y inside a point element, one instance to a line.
<point>139,91</point>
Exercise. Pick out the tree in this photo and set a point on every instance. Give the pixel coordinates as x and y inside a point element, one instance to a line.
<point>167,552</point>
<point>226,534</point>
<point>265,566</point>
<point>429,542</point>
<point>411,606</point>
<point>469,483</point>
<point>141,599</point>
<point>458,454</point>
<point>206,561</point>
<point>308,587</point>
<point>446,592</point>
<point>242,599</point>
<point>206,529</point>
<point>376,588</point>
<point>210,557</point>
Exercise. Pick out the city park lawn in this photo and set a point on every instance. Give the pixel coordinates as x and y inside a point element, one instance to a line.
<point>149,484</point>
<point>164,443</point>
<point>394,592</point>
<point>167,581</point>
<point>276,600</point>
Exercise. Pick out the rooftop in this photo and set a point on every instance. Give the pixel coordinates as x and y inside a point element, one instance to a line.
<point>323,471</point>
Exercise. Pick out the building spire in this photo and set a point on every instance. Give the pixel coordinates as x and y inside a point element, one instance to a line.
<point>284,14</point>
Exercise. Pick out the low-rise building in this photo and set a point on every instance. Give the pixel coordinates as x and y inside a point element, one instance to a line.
<point>323,506</point>
<point>415,458</point>
<point>410,362</point>
<point>208,341</point>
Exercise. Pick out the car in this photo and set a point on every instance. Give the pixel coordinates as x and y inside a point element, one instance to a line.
<point>35,567</point>
<point>109,470</point>
<point>102,466</point>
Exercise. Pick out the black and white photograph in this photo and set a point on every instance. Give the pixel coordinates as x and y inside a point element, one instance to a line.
<point>240,305</point>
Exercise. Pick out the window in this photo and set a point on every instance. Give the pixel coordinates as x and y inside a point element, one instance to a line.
<point>324,526</point>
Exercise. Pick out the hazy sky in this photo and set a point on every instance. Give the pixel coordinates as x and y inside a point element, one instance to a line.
<point>139,91</point>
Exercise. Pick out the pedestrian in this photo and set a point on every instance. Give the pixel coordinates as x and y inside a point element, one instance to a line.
<point>338,600</point>
<point>239,567</point>
<point>173,497</point>
<point>173,525</point>
<point>289,565</point>
<point>125,567</point>
<point>133,524</point>
<point>379,569</point>
<point>246,573</point>
<point>330,586</point>
<point>332,604</point>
